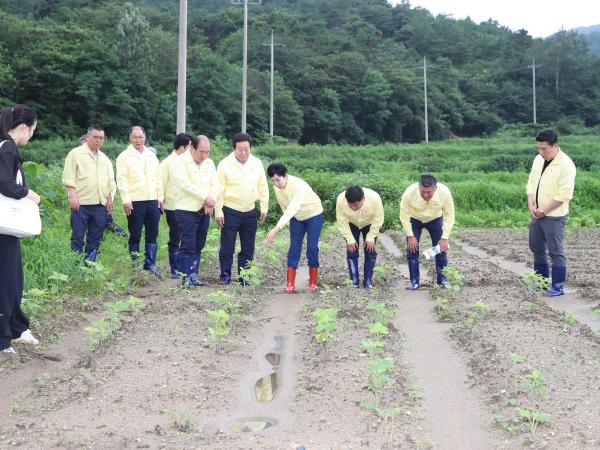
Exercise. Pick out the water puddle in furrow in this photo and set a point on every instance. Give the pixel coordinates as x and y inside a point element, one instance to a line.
<point>265,390</point>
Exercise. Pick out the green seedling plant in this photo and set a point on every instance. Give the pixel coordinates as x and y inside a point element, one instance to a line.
<point>326,290</point>
<point>227,301</point>
<point>454,279</point>
<point>516,359</point>
<point>472,318</point>
<point>218,326</point>
<point>326,323</point>
<point>379,330</point>
<point>388,415</point>
<point>570,317</point>
<point>251,275</point>
<point>535,283</point>
<point>478,308</point>
<point>101,329</point>
<point>37,302</point>
<point>382,272</point>
<point>373,347</point>
<point>378,377</point>
<point>183,422</point>
<point>379,313</point>
<point>534,385</point>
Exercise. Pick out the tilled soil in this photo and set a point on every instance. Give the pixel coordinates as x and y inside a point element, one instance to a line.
<point>493,317</point>
<point>581,247</point>
<point>161,382</point>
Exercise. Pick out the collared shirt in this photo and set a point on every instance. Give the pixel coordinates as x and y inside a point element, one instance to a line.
<point>557,182</point>
<point>193,182</point>
<point>297,199</point>
<point>91,175</point>
<point>440,205</point>
<point>241,185</point>
<point>138,175</point>
<point>370,213</point>
<point>167,181</point>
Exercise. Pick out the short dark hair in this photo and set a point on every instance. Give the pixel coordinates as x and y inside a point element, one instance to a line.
<point>354,194</point>
<point>240,137</point>
<point>278,169</point>
<point>548,136</point>
<point>427,180</point>
<point>136,126</point>
<point>93,127</point>
<point>182,139</point>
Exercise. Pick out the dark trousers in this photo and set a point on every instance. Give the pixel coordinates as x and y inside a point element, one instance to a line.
<point>244,223</point>
<point>194,228</point>
<point>145,214</point>
<point>298,228</point>
<point>88,224</point>
<point>13,320</point>
<point>546,238</point>
<point>356,232</point>
<point>434,228</point>
<point>174,231</point>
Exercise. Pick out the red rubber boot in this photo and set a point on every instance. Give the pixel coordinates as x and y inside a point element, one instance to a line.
<point>291,280</point>
<point>312,278</point>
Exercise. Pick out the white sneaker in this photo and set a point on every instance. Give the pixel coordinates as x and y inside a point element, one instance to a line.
<point>9,350</point>
<point>26,338</point>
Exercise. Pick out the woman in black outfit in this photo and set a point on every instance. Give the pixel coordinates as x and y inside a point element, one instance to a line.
<point>17,125</point>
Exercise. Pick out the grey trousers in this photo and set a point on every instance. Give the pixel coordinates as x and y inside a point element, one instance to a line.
<point>546,238</point>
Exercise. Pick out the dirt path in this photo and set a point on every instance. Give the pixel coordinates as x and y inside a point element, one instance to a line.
<point>570,303</point>
<point>455,416</point>
<point>267,389</point>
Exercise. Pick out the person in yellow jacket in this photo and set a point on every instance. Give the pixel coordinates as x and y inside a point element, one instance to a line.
<point>360,211</point>
<point>140,186</point>
<point>183,142</point>
<point>427,204</point>
<point>89,178</point>
<point>242,182</point>
<point>302,209</point>
<point>549,189</point>
<point>197,187</point>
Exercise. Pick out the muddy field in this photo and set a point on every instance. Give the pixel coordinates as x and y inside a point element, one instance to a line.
<point>580,247</point>
<point>159,380</point>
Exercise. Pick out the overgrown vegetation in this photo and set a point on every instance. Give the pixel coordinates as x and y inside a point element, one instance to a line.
<point>350,72</point>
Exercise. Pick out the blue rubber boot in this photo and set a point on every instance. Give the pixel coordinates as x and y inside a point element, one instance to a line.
<point>559,275</point>
<point>194,275</point>
<point>150,259</point>
<point>173,256</point>
<point>414,273</point>
<point>441,261</point>
<point>353,269</point>
<point>134,250</point>
<point>91,256</point>
<point>370,259</point>
<point>185,265</point>
<point>542,269</point>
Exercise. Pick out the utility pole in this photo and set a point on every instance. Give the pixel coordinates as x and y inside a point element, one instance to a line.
<point>532,67</point>
<point>272,45</point>
<point>425,96</point>
<point>245,58</point>
<point>182,68</point>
